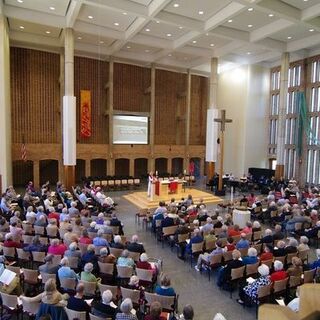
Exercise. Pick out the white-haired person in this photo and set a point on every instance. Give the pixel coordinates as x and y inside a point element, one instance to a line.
<point>106,308</point>
<point>134,284</point>
<point>303,246</point>
<point>250,291</point>
<point>127,311</point>
<point>65,271</point>
<point>252,256</point>
<point>117,242</point>
<point>279,272</point>
<point>73,251</point>
<point>106,257</point>
<point>99,240</point>
<point>90,256</point>
<point>143,263</point>
<point>87,275</point>
<point>124,260</point>
<point>316,263</point>
<point>135,246</point>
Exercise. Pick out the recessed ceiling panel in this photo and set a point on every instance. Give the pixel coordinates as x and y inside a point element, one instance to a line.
<point>209,41</point>
<point>196,9</point>
<point>293,33</point>
<point>143,2</point>
<point>249,20</point>
<point>139,48</point>
<point>94,40</point>
<point>28,27</point>
<point>106,17</point>
<point>300,4</point>
<point>57,7</point>
<point>163,30</point>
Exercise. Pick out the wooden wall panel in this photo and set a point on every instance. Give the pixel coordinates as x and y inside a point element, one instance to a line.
<point>198,113</point>
<point>170,105</point>
<point>35,96</point>
<point>130,84</point>
<point>90,74</point>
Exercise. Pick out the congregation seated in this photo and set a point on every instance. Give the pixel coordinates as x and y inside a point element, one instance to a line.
<point>10,243</point>
<point>65,271</point>
<point>105,257</point>
<point>155,312</point>
<point>57,248</point>
<point>36,245</point>
<point>134,245</point>
<point>124,260</point>
<point>251,258</point>
<point>243,243</point>
<point>126,309</point>
<point>206,257</point>
<point>296,269</point>
<point>85,239</point>
<point>292,246</point>
<point>105,308</point>
<point>268,237</point>
<point>267,253</point>
<point>165,289</point>
<point>279,272</point>
<point>280,250</point>
<point>250,291</point>
<point>77,302</point>
<point>48,266</point>
<point>87,275</point>
<point>99,240</point>
<point>117,242</point>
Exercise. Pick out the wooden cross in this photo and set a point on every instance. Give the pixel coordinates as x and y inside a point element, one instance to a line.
<point>223,120</point>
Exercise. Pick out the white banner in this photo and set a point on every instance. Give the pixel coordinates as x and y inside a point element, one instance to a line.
<point>212,136</point>
<point>69,131</point>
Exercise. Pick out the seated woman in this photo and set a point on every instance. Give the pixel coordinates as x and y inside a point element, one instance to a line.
<point>251,258</point>
<point>124,260</point>
<point>127,312</point>
<point>251,290</point>
<point>14,286</point>
<point>85,239</point>
<point>57,248</point>
<point>35,245</point>
<point>144,264</point>
<point>90,256</point>
<point>267,253</point>
<point>117,242</point>
<point>73,251</point>
<point>296,269</point>
<point>164,289</point>
<point>50,295</point>
<point>105,257</point>
<point>155,312</point>
<point>106,308</point>
<point>303,244</point>
<point>279,273</point>
<point>280,250</point>
<point>87,275</point>
<point>134,284</point>
<point>9,243</point>
<point>292,246</point>
<point>65,271</point>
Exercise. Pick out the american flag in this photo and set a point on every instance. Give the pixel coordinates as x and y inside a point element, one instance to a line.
<point>23,151</point>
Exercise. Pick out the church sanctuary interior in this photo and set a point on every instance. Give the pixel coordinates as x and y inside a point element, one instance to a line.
<point>159,159</point>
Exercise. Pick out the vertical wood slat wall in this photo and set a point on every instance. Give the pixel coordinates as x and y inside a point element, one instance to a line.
<point>130,85</point>
<point>198,114</point>
<point>169,85</point>
<point>90,74</point>
<point>35,96</point>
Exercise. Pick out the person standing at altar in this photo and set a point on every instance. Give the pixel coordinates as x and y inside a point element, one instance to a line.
<point>150,182</point>
<point>191,168</point>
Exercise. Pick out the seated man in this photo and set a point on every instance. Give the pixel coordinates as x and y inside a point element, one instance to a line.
<point>207,256</point>
<point>135,246</point>
<point>77,303</point>
<point>268,238</point>
<point>243,243</point>
<point>106,308</point>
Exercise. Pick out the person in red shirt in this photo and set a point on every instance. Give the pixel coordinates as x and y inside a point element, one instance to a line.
<point>143,263</point>
<point>155,312</point>
<point>279,273</point>
<point>9,243</point>
<point>57,248</point>
<point>234,231</point>
<point>230,244</point>
<point>85,239</point>
<point>54,215</point>
<point>267,254</point>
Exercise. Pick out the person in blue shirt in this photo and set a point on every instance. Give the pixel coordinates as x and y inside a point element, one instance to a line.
<point>315,264</point>
<point>243,242</point>
<point>165,289</point>
<point>251,258</point>
<point>196,238</point>
<point>99,240</point>
<point>65,271</point>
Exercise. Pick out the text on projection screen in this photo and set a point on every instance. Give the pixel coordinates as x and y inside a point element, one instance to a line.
<point>130,130</point>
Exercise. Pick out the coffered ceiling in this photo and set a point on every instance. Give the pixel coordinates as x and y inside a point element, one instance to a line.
<point>182,34</point>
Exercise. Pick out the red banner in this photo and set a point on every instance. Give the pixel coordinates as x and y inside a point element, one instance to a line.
<point>85,113</point>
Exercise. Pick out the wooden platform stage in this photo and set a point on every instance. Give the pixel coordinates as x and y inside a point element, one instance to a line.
<point>141,200</point>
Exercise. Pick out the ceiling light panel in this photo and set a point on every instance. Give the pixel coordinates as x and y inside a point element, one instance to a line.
<point>60,6</point>
<point>300,4</point>
<point>161,30</point>
<point>33,28</point>
<point>205,41</point>
<point>295,32</point>
<point>139,48</point>
<point>143,2</point>
<point>199,10</point>
<point>249,20</point>
<point>93,39</point>
<point>105,17</point>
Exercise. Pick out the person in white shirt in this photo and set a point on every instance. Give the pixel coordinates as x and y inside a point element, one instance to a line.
<point>294,304</point>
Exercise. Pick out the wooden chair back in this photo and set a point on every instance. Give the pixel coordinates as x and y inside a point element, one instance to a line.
<point>14,269</point>
<point>227,256</point>
<point>71,314</point>
<point>39,230</point>
<point>9,252</point>
<point>282,259</point>
<point>166,302</point>
<point>244,252</point>
<point>289,257</point>
<point>106,268</point>
<point>237,273</point>
<point>89,288</point>
<point>116,252</point>
<point>38,256</point>
<point>144,275</point>
<point>197,247</point>
<point>209,245</point>
<point>294,281</point>
<point>169,231</point>
<point>183,237</point>
<point>257,235</point>
<point>308,276</point>
<point>68,283</point>
<point>252,269</point>
<point>124,272</point>
<point>216,259</point>
<point>31,308</point>
<point>268,263</point>
<point>10,301</point>
<point>73,262</point>
<point>134,295</point>
<point>46,276</point>
<point>23,255</point>
<point>83,248</point>
<point>27,239</point>
<point>134,255</point>
<point>280,286</point>
<point>264,291</point>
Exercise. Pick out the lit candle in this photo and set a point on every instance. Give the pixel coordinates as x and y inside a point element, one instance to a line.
<point>156,173</point>
<point>185,171</point>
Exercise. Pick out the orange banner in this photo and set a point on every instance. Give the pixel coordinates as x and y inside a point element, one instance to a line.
<point>85,113</point>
